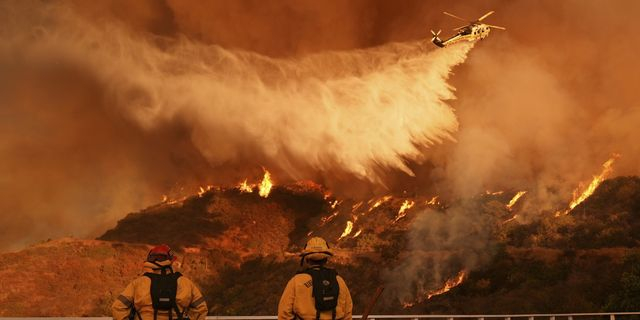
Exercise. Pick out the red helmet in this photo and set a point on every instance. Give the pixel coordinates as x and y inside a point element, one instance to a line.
<point>161,253</point>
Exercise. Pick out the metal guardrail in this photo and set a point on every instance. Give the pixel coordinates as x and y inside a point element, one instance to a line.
<point>532,316</point>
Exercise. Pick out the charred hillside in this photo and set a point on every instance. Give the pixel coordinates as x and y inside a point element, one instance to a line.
<point>240,248</point>
<point>226,217</point>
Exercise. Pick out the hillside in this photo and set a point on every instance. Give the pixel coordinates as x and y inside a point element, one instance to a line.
<point>239,247</point>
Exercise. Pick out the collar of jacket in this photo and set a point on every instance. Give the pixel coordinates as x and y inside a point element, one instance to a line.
<point>151,267</point>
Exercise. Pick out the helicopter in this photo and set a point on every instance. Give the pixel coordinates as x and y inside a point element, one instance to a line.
<point>474,30</point>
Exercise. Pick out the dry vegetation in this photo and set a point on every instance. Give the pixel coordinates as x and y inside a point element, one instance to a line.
<point>237,247</point>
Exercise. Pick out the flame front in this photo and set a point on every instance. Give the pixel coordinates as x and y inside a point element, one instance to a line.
<point>607,168</point>
<point>448,285</point>
<point>406,205</point>
<point>347,230</point>
<point>515,199</point>
<point>379,202</point>
<point>265,186</point>
<point>579,197</point>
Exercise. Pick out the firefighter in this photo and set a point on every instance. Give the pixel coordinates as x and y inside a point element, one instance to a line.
<point>317,292</point>
<point>160,293</point>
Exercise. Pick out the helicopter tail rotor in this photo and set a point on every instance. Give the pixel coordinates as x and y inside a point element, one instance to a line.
<point>435,34</point>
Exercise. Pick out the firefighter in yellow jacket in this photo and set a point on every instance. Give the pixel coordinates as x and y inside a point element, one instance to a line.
<point>160,293</point>
<point>317,292</point>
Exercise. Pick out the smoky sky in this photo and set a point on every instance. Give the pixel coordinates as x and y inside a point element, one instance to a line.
<point>539,106</point>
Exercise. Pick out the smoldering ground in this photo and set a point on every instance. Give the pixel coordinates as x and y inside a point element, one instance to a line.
<point>106,105</point>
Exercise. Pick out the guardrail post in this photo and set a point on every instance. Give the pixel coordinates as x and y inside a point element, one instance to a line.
<point>481,318</point>
<point>507,318</point>
<point>449,318</point>
<point>612,317</point>
<point>552,318</point>
<point>530,318</point>
<point>569,318</point>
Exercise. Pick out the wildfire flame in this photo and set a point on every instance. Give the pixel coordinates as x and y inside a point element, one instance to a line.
<point>449,284</point>
<point>406,205</point>
<point>202,190</point>
<point>357,233</point>
<point>328,218</point>
<point>579,197</point>
<point>494,193</point>
<point>265,186</point>
<point>244,187</point>
<point>165,198</point>
<point>379,202</point>
<point>511,219</point>
<point>433,201</point>
<point>515,199</point>
<point>347,230</point>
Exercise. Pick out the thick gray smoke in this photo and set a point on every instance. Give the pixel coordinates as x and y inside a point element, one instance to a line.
<point>441,245</point>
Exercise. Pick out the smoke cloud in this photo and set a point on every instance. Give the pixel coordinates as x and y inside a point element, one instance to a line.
<point>441,245</point>
<point>357,112</point>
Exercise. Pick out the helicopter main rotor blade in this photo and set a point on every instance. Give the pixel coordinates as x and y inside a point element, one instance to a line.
<point>497,27</point>
<point>486,15</point>
<point>454,16</point>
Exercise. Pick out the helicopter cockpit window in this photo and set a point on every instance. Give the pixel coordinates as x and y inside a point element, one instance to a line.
<point>466,31</point>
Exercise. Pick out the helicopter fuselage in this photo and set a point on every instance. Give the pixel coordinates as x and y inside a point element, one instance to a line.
<point>472,32</point>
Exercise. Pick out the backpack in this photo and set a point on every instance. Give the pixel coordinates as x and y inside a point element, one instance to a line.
<point>163,293</point>
<point>325,289</point>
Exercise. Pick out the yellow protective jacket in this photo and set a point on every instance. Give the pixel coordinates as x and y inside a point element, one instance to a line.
<point>297,301</point>
<point>138,295</point>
